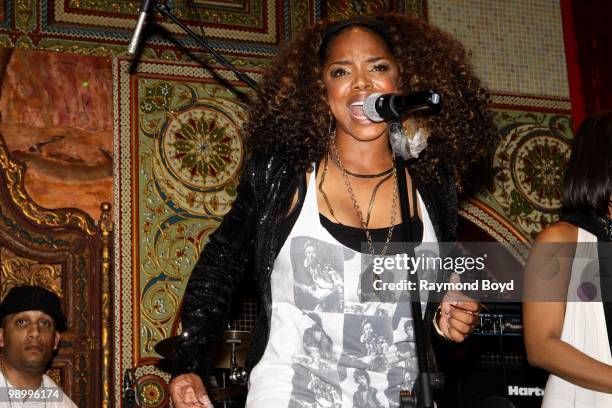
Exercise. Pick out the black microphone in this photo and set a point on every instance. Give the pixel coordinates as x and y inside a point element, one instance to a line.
<point>142,17</point>
<point>391,106</point>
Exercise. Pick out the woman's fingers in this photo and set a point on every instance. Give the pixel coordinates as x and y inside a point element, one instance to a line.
<point>458,318</point>
<point>188,391</point>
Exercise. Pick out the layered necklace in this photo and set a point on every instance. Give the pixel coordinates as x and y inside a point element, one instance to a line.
<point>365,221</point>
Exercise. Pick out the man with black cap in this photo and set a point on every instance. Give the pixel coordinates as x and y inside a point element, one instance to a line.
<point>31,319</point>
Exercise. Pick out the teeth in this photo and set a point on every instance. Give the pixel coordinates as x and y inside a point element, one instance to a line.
<point>357,110</point>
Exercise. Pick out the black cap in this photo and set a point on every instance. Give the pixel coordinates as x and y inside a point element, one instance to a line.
<point>24,298</point>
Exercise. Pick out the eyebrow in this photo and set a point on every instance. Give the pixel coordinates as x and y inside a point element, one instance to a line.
<point>347,62</point>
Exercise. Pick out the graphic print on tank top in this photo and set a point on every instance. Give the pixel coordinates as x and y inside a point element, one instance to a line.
<point>318,273</point>
<point>317,377</point>
<point>374,349</point>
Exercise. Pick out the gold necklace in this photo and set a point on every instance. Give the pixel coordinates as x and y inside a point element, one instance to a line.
<point>372,197</point>
<point>349,188</point>
<point>329,206</point>
<point>382,173</point>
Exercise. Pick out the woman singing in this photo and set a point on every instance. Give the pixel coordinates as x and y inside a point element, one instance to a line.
<point>318,196</point>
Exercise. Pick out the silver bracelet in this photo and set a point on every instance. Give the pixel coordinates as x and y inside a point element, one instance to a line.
<point>437,315</point>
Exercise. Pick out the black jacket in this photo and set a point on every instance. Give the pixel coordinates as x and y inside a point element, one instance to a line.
<point>247,239</point>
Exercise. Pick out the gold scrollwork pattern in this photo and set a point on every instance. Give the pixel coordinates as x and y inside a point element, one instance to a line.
<point>25,15</point>
<point>16,270</point>
<point>34,212</point>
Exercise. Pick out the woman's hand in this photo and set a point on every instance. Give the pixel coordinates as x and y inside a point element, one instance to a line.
<point>458,315</point>
<point>188,391</point>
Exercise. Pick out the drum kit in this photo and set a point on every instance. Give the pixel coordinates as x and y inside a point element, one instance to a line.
<point>228,356</point>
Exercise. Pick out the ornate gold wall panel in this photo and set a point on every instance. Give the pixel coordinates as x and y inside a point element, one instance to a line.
<point>179,153</point>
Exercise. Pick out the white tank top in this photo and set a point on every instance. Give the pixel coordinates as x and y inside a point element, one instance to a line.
<point>327,348</point>
<point>584,327</point>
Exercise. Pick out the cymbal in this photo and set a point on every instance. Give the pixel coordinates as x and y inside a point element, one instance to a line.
<point>220,350</point>
<point>230,336</point>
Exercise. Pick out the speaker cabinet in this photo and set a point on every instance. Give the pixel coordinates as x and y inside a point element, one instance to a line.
<point>502,386</point>
<point>490,369</point>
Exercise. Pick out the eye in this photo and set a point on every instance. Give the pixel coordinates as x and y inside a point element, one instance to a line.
<point>45,323</point>
<point>380,67</point>
<point>21,322</point>
<point>338,72</point>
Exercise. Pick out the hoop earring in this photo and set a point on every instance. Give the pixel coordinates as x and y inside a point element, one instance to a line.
<point>331,123</point>
<point>330,132</point>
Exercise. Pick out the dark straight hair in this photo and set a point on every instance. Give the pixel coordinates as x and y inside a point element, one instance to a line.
<point>588,177</point>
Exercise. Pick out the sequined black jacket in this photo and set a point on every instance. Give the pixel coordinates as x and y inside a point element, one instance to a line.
<point>246,242</point>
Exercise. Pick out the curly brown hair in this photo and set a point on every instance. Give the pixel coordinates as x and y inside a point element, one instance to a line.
<point>290,114</point>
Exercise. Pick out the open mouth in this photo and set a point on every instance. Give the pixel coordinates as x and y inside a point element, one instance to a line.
<point>356,109</point>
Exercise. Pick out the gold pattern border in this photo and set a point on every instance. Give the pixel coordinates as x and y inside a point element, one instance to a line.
<point>64,16</point>
<point>122,268</point>
<point>523,101</point>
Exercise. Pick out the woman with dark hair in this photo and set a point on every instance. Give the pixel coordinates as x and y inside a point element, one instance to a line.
<point>567,315</point>
<point>321,171</point>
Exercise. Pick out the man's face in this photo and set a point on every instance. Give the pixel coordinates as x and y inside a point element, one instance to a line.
<point>28,339</point>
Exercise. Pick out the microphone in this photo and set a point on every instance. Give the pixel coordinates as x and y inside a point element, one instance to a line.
<point>144,10</point>
<point>378,107</point>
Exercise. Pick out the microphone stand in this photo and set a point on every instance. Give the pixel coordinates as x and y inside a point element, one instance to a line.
<point>165,10</point>
<point>423,396</point>
<point>129,389</point>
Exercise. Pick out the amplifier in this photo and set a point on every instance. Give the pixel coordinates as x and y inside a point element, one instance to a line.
<point>500,319</point>
<point>499,324</point>
<point>502,386</point>
<point>490,369</point>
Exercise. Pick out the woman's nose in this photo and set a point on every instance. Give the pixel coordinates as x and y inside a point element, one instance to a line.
<point>362,80</point>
